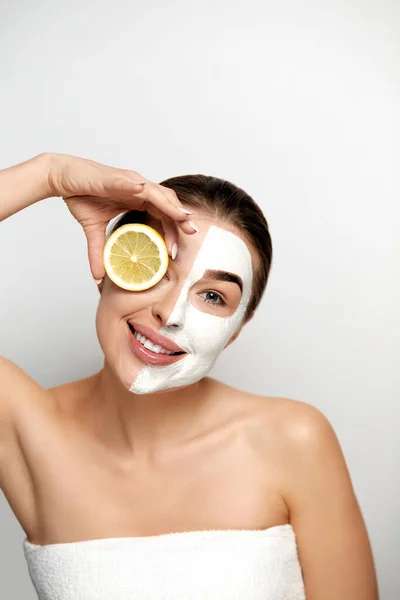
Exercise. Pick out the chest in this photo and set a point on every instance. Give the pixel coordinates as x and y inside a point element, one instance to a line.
<point>80,491</point>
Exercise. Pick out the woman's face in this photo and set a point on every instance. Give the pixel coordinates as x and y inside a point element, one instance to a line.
<point>196,308</point>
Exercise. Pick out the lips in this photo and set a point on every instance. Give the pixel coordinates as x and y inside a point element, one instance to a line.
<point>147,355</point>
<point>156,337</point>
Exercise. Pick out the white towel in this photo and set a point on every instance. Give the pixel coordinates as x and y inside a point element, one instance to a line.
<point>193,565</point>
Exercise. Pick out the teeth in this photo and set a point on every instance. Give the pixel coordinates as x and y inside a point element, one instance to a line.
<point>150,346</point>
<point>147,344</point>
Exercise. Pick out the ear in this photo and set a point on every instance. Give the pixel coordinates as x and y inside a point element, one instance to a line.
<point>236,334</point>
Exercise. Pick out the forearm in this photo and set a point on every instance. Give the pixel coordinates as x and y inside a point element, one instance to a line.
<point>24,184</point>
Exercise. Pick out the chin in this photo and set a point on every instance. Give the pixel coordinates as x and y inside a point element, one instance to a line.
<point>153,393</point>
<point>123,374</point>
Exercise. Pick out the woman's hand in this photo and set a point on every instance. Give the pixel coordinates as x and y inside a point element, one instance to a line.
<point>96,193</point>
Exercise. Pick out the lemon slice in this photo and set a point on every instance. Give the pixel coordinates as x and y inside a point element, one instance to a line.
<point>135,257</point>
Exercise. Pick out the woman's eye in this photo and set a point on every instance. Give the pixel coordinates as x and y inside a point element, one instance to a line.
<point>213,298</point>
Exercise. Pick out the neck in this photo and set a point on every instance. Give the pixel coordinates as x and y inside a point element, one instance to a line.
<point>146,425</point>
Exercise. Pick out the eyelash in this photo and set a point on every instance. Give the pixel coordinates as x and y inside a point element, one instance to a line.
<point>220,303</point>
<point>221,300</point>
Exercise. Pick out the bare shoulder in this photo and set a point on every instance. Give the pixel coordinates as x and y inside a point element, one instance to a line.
<point>24,401</point>
<point>293,420</point>
<point>318,491</point>
<point>282,427</point>
<point>293,430</point>
<point>323,508</point>
<point>299,430</point>
<point>21,399</point>
<point>17,388</point>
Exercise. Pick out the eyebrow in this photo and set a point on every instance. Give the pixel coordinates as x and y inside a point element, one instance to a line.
<point>223,276</point>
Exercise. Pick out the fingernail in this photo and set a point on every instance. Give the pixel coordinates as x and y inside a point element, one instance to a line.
<point>98,281</point>
<point>193,225</point>
<point>174,251</point>
<point>187,212</point>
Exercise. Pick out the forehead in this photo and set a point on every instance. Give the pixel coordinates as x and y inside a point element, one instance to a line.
<point>224,251</point>
<point>213,248</point>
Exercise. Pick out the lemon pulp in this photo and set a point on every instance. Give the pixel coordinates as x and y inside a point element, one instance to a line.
<point>135,256</point>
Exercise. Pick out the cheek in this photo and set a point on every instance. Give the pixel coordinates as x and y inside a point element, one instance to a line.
<point>111,332</point>
<point>109,321</point>
<point>205,334</point>
<point>103,324</point>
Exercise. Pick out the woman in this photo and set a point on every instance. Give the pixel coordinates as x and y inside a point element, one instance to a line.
<point>150,480</point>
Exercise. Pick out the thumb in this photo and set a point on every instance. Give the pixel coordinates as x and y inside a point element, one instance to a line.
<point>96,239</point>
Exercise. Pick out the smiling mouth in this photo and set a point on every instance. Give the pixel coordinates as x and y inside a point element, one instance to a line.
<point>155,348</point>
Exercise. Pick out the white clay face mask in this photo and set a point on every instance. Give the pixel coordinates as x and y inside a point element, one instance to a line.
<point>202,335</point>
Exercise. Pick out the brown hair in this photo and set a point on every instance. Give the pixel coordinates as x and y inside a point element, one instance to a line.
<point>227,203</point>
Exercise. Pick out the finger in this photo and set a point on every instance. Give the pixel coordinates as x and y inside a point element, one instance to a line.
<point>170,228</point>
<point>112,187</point>
<point>96,239</point>
<point>171,235</point>
<point>186,225</point>
<point>149,193</point>
<point>153,195</point>
<point>171,195</point>
<point>122,187</point>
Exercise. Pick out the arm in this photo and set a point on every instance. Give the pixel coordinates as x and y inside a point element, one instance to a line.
<point>20,186</point>
<point>24,185</point>
<point>333,545</point>
<point>94,194</point>
<point>17,390</point>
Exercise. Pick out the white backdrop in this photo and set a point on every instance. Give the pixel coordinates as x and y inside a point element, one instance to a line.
<point>296,102</point>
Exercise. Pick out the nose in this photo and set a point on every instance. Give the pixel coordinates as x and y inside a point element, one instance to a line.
<point>169,309</point>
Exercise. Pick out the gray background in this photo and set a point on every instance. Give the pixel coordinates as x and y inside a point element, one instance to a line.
<point>296,102</point>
